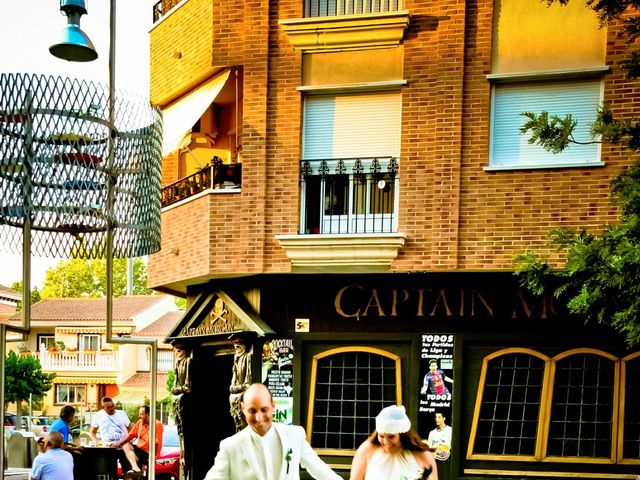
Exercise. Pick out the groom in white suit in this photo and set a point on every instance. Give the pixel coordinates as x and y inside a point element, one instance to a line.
<point>265,450</point>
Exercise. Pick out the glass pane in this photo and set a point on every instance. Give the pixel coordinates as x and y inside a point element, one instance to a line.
<point>381,195</point>
<point>631,445</point>
<point>582,410</point>
<point>336,191</point>
<point>508,419</point>
<point>344,410</point>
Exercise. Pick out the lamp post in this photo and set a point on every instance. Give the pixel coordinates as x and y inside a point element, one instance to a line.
<point>75,46</point>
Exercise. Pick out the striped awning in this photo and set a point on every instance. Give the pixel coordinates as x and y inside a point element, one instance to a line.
<point>86,380</point>
<point>138,395</point>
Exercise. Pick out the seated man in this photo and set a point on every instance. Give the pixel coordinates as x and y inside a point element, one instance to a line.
<point>139,453</point>
<point>54,463</point>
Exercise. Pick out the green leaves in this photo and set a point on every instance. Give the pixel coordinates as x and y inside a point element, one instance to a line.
<point>24,376</point>
<point>552,133</point>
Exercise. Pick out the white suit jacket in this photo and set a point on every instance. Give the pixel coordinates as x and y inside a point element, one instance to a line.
<point>236,459</point>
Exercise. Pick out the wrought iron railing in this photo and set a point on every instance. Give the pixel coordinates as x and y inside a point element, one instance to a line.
<point>215,176</point>
<point>161,8</point>
<point>328,8</point>
<point>349,195</point>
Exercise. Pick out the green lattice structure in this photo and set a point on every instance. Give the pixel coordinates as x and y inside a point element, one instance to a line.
<point>55,168</point>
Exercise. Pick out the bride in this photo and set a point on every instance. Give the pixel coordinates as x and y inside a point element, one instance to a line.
<point>393,451</point>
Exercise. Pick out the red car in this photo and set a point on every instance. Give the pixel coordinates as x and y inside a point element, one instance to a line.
<point>168,462</point>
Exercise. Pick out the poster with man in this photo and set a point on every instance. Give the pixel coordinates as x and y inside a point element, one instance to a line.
<point>436,392</point>
<point>277,374</point>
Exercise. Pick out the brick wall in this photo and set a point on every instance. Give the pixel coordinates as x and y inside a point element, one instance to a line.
<point>455,214</point>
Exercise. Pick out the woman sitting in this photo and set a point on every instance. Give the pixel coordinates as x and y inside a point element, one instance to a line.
<point>393,451</point>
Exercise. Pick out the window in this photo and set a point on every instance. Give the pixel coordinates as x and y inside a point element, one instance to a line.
<point>350,150</point>
<point>46,341</point>
<point>511,149</point>
<point>89,342</point>
<point>70,394</point>
<point>563,409</point>
<point>350,385</point>
<point>629,449</point>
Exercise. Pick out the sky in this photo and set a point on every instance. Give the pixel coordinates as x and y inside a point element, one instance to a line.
<point>29,27</point>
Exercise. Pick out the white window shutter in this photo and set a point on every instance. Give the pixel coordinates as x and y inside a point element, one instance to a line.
<point>349,126</point>
<point>509,147</point>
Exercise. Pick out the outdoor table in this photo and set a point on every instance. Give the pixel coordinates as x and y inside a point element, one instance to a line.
<point>99,463</point>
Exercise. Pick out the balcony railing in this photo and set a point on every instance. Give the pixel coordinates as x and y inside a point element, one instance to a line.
<point>161,8</point>
<point>349,195</point>
<point>328,8</point>
<point>81,360</point>
<point>218,176</point>
<point>165,360</point>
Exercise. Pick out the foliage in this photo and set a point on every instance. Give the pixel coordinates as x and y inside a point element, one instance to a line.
<point>600,279</point>
<point>87,278</point>
<point>35,294</point>
<point>24,376</point>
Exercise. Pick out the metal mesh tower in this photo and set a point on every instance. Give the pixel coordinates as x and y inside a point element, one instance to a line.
<point>56,173</point>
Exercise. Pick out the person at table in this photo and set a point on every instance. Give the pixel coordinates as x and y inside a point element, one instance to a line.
<point>139,453</point>
<point>54,463</point>
<point>393,451</point>
<point>61,424</point>
<point>113,424</point>
<point>266,450</point>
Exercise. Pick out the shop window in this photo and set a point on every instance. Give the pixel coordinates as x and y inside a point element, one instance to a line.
<point>350,385</point>
<point>71,394</point>
<point>508,412</point>
<point>564,409</point>
<point>630,399</point>
<point>511,149</point>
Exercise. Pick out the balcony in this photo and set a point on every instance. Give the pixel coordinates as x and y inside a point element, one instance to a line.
<point>349,215</point>
<point>329,8</point>
<point>163,7</point>
<point>216,176</point>
<point>78,361</point>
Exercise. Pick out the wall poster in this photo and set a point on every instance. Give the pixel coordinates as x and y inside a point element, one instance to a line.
<point>277,374</point>
<point>436,392</point>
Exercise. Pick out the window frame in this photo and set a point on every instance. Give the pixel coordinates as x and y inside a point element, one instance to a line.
<point>312,388</point>
<point>82,336</point>
<point>497,80</point>
<point>70,386</point>
<point>47,337</point>
<point>544,416</point>
<point>621,410</point>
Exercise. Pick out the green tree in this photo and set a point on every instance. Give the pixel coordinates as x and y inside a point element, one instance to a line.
<point>24,376</point>
<point>600,279</point>
<point>87,278</point>
<point>35,294</point>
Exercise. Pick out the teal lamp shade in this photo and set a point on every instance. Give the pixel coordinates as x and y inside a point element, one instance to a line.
<point>73,44</point>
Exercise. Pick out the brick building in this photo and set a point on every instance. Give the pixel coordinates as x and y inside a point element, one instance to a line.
<point>346,184</point>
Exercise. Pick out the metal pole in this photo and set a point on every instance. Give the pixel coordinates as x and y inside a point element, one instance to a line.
<point>3,354</point>
<point>153,343</point>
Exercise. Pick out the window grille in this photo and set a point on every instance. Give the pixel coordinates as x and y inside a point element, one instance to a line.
<point>508,420</point>
<point>582,409</point>
<point>350,388</point>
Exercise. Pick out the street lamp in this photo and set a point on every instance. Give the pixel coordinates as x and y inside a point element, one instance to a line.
<point>73,45</point>
<point>76,46</point>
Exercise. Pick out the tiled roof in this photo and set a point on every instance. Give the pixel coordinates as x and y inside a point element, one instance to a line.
<point>161,327</point>
<point>74,309</point>
<point>10,293</point>
<point>143,379</point>
<point>7,310</point>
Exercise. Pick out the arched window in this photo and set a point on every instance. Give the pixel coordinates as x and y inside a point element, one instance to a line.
<point>349,386</point>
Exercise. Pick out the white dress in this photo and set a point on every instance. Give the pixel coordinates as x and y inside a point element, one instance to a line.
<point>392,466</point>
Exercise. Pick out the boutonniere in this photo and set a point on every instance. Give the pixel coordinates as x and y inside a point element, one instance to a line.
<point>288,458</point>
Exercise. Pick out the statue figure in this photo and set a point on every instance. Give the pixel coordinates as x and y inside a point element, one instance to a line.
<point>181,391</point>
<point>240,378</point>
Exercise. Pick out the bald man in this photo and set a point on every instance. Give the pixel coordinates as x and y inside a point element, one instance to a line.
<point>55,463</point>
<point>266,450</point>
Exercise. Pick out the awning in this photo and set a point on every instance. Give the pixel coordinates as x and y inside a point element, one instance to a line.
<point>183,114</point>
<point>86,380</point>
<point>138,396</point>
